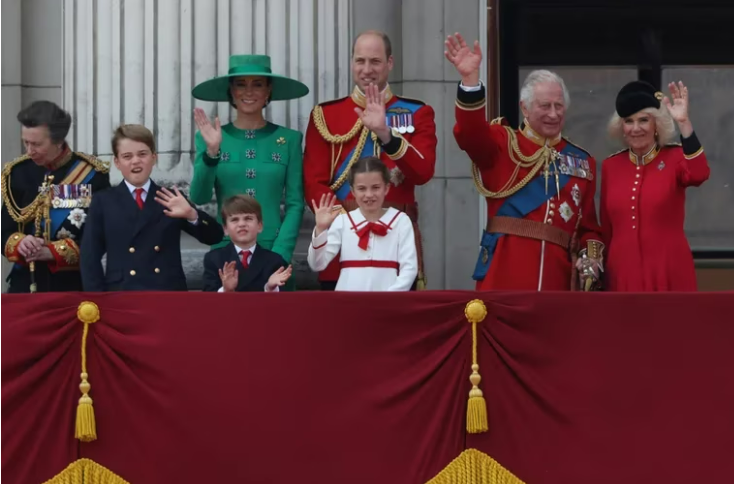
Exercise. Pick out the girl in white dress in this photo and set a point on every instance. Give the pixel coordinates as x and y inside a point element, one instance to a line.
<point>376,245</point>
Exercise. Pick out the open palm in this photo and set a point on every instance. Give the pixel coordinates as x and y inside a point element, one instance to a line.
<point>211,133</point>
<point>678,108</point>
<point>467,61</point>
<point>325,212</point>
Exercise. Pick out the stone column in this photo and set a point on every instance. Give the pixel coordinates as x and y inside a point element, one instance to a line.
<point>136,61</point>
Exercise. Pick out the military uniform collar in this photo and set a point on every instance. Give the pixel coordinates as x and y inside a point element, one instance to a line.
<point>361,100</point>
<point>530,134</point>
<point>61,160</point>
<point>646,158</point>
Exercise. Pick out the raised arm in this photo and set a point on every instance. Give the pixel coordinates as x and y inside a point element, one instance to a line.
<point>327,235</point>
<point>694,169</point>
<point>480,140</point>
<point>208,140</point>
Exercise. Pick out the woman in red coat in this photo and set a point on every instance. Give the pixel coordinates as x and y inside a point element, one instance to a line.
<point>643,191</point>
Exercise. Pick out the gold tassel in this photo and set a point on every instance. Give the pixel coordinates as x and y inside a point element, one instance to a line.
<point>476,412</point>
<point>86,471</point>
<point>86,427</point>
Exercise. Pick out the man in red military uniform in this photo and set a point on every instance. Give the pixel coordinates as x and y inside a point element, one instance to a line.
<point>371,122</point>
<point>542,224</point>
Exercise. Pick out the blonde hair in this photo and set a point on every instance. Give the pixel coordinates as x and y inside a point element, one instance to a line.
<point>664,125</point>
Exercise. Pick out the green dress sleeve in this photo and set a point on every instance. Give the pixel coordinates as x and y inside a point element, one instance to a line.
<point>205,174</point>
<point>285,242</point>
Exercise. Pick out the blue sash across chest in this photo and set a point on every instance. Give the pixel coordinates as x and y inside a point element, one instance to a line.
<point>399,107</point>
<point>58,215</point>
<point>520,204</point>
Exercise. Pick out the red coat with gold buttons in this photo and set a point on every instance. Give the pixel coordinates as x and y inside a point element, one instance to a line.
<point>522,263</point>
<point>642,214</point>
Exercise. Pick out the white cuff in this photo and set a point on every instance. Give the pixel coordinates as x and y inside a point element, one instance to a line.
<point>221,289</point>
<point>277,289</point>
<point>471,88</point>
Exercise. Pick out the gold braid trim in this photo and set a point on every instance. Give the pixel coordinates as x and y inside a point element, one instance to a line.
<point>475,467</point>
<point>537,160</point>
<point>21,215</point>
<point>11,245</point>
<point>100,166</point>
<point>320,123</point>
<point>68,251</point>
<point>86,471</point>
<point>355,156</point>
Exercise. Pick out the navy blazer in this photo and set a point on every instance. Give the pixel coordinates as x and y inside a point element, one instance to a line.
<point>143,247</point>
<point>262,265</point>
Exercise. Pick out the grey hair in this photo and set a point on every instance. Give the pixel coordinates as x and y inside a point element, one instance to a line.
<point>527,92</point>
<point>664,125</point>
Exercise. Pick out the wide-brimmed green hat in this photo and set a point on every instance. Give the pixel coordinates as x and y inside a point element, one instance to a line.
<point>217,89</point>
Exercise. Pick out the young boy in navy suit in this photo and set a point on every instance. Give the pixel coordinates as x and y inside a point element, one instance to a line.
<point>243,265</point>
<point>138,224</point>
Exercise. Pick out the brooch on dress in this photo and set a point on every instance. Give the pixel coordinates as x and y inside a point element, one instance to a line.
<point>661,165</point>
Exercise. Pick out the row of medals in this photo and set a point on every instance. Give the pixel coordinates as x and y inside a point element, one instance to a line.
<point>71,196</point>
<point>402,122</point>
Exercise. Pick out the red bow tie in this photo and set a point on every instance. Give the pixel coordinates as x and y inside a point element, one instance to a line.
<point>364,233</point>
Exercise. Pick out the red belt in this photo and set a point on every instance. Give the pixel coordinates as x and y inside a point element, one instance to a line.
<point>385,264</point>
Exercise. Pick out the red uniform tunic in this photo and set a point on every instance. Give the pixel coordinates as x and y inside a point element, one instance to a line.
<point>333,133</point>
<point>642,214</point>
<point>524,263</point>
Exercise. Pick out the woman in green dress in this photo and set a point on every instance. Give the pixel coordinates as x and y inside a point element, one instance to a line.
<point>251,155</point>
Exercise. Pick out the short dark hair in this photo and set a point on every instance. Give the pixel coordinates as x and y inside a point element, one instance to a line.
<point>238,204</point>
<point>268,79</point>
<point>380,34</point>
<point>369,164</point>
<point>46,113</point>
<point>135,132</point>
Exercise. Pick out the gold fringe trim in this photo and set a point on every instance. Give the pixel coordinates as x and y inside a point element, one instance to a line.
<point>86,427</point>
<point>476,412</point>
<point>475,467</point>
<point>86,471</point>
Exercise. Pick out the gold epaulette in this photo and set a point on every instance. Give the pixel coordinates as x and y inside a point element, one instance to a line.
<point>99,165</point>
<point>9,166</point>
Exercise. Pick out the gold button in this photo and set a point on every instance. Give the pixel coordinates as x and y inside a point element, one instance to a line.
<point>549,221</point>
<point>132,273</point>
<point>633,198</point>
<point>553,205</point>
<point>157,249</point>
<point>633,227</point>
<point>637,183</point>
<point>16,237</point>
<point>157,271</point>
<point>633,207</point>
<point>633,217</point>
<point>634,189</point>
<point>132,250</point>
<point>638,175</point>
<point>638,167</point>
<point>551,213</point>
